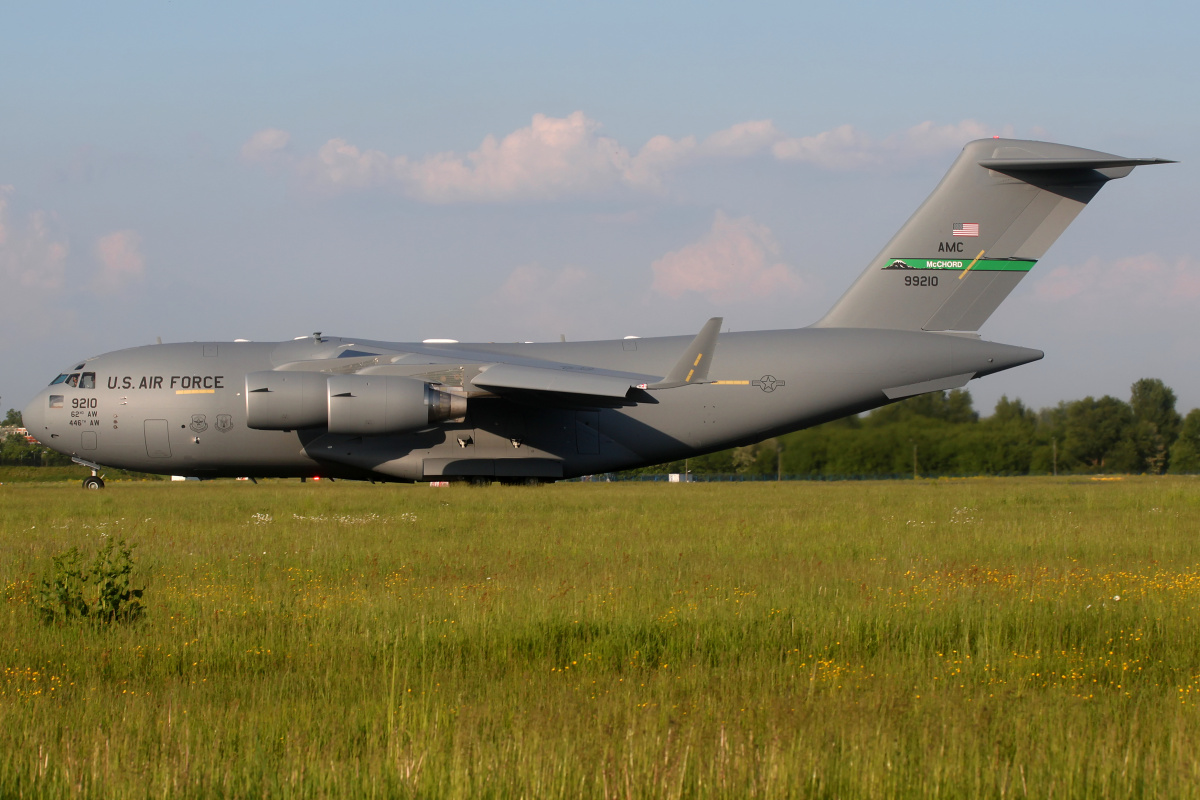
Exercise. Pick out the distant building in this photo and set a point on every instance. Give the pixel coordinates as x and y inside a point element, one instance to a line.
<point>12,430</point>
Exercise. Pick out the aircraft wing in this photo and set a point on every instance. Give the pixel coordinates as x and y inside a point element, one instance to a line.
<point>508,373</point>
<point>559,379</point>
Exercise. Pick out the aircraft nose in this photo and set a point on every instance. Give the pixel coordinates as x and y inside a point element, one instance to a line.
<point>33,416</point>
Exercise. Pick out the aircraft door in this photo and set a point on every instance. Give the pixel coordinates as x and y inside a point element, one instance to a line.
<point>158,442</point>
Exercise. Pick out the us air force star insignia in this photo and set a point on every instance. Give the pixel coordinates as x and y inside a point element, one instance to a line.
<point>768,383</point>
<point>199,424</point>
<point>224,423</point>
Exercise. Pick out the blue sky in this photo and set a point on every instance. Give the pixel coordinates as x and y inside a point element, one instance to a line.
<point>488,172</point>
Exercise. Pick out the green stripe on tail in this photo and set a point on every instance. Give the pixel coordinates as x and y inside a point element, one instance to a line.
<point>957,265</point>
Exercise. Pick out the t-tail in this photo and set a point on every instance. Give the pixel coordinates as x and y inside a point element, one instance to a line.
<point>994,214</point>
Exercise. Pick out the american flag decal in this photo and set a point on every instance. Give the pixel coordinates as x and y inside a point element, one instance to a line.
<point>966,229</point>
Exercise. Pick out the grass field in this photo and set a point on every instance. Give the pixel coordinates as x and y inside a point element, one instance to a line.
<point>967,638</point>
<point>73,472</point>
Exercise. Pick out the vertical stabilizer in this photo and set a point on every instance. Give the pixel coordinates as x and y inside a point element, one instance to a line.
<point>994,214</point>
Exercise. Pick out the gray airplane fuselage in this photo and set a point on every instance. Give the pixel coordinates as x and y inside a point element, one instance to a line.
<point>181,408</point>
<point>529,412</point>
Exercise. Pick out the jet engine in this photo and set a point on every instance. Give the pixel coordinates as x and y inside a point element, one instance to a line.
<point>367,405</point>
<point>284,401</point>
<point>361,405</point>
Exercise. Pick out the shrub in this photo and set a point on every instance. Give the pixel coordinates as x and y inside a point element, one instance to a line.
<point>100,592</point>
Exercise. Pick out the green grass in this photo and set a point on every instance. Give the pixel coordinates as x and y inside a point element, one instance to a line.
<point>893,639</point>
<point>72,472</point>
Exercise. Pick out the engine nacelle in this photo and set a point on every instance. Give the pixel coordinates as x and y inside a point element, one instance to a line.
<point>284,401</point>
<point>369,405</point>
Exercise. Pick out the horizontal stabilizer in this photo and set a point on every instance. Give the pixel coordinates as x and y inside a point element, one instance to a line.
<point>1005,164</point>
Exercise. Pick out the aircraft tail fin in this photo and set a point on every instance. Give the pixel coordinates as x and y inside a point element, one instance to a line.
<point>995,213</point>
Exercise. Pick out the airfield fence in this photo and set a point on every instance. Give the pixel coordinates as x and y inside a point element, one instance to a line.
<point>736,477</point>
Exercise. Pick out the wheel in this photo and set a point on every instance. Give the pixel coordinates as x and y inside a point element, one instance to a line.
<point>93,482</point>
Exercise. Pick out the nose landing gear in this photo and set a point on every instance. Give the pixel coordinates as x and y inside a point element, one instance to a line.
<point>96,481</point>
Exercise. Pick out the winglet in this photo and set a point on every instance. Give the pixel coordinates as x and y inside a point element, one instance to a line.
<point>693,366</point>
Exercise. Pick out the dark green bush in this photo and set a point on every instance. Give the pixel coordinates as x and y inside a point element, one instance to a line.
<point>100,592</point>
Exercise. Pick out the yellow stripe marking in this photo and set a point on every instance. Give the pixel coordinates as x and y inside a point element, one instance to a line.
<point>731,383</point>
<point>688,379</point>
<point>696,363</point>
<point>963,274</point>
<point>195,391</point>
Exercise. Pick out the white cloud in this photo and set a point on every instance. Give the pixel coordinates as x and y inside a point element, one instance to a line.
<point>339,164</point>
<point>743,140</point>
<point>556,157</point>
<point>551,157</point>
<point>31,255</point>
<point>535,281</point>
<point>1142,282</point>
<point>662,153</point>
<point>545,302</point>
<point>265,144</point>
<point>928,139</point>
<point>846,147</point>
<point>121,260</point>
<point>33,272</point>
<point>842,147</point>
<point>736,260</point>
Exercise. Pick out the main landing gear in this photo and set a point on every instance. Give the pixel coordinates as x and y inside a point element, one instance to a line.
<point>95,481</point>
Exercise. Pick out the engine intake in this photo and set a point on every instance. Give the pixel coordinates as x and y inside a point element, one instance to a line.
<point>369,405</point>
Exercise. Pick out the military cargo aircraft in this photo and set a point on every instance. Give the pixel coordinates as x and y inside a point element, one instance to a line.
<point>438,410</point>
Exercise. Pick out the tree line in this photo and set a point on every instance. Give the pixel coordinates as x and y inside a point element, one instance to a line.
<point>17,451</point>
<point>941,433</point>
<point>933,434</point>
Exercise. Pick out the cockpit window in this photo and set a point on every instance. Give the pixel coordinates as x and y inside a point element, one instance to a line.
<point>87,380</point>
<point>73,380</point>
<point>59,379</point>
